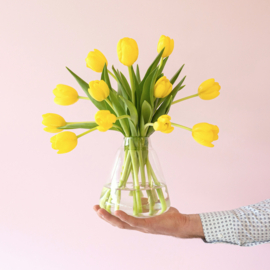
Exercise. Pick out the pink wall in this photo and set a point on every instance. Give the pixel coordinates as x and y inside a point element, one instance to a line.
<point>46,200</point>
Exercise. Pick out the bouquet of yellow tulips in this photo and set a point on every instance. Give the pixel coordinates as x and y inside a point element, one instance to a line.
<point>137,109</point>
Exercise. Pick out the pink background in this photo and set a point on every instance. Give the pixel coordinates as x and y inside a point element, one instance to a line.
<point>46,200</point>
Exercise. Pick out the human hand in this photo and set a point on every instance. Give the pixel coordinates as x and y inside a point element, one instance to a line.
<point>170,223</point>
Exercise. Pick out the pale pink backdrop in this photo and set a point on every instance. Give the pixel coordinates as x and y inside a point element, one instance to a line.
<point>46,200</point>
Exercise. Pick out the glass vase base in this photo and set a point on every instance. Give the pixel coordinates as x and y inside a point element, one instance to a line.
<point>153,200</point>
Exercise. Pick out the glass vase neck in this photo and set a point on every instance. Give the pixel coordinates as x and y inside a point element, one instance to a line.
<point>137,143</point>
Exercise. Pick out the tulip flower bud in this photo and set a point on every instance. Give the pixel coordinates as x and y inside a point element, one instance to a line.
<point>163,124</point>
<point>64,142</point>
<point>53,121</point>
<point>65,95</point>
<point>96,60</point>
<point>167,43</point>
<point>205,133</point>
<point>162,88</point>
<point>127,50</point>
<point>105,120</point>
<point>209,89</point>
<point>99,90</point>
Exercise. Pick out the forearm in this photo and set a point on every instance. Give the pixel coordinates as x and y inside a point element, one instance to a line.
<point>244,226</point>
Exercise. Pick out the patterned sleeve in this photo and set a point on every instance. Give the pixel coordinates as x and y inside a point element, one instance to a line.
<point>245,226</point>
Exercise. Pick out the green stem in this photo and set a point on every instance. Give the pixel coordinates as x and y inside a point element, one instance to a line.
<point>112,75</point>
<point>80,97</point>
<point>153,191</point>
<point>71,123</point>
<point>110,104</point>
<point>123,117</point>
<point>118,199</point>
<point>102,201</point>
<point>132,84</point>
<point>151,202</point>
<point>124,177</point>
<point>136,180</point>
<point>149,173</point>
<point>177,125</point>
<point>159,191</point>
<point>125,170</point>
<point>119,128</point>
<point>148,125</point>
<point>179,100</point>
<point>109,205</point>
<point>149,192</point>
<point>135,209</point>
<point>82,134</point>
<point>142,167</point>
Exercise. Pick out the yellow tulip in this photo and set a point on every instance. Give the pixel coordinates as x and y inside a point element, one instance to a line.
<point>53,121</point>
<point>209,89</point>
<point>99,90</point>
<point>167,43</point>
<point>128,51</point>
<point>96,60</point>
<point>105,120</point>
<point>205,133</point>
<point>163,124</point>
<point>65,95</point>
<point>162,88</point>
<point>64,142</point>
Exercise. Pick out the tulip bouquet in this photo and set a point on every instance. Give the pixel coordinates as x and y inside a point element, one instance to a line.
<point>136,109</point>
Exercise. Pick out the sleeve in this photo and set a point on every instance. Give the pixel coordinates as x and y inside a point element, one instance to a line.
<point>244,226</point>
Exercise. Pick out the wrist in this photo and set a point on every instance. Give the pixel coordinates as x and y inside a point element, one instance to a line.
<point>193,227</point>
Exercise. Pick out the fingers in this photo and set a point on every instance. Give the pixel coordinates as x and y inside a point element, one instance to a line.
<point>133,222</point>
<point>123,222</point>
<point>102,213</point>
<point>96,207</point>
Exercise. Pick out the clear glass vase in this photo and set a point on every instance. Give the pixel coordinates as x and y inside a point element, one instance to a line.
<point>136,185</point>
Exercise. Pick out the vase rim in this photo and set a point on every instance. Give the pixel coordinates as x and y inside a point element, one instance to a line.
<point>138,137</point>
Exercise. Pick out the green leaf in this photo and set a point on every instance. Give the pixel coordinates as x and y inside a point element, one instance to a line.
<point>146,112</point>
<point>125,84</point>
<point>100,105</point>
<point>138,91</point>
<point>178,91</point>
<point>138,74</point>
<point>169,105</point>
<point>148,87</point>
<point>146,115</point>
<point>118,129</point>
<point>163,109</point>
<point>178,87</point>
<point>121,90</point>
<point>86,125</point>
<point>136,88</point>
<point>120,111</point>
<point>163,65</point>
<point>175,76</point>
<point>132,110</point>
<point>105,76</point>
<point>133,129</point>
<point>160,75</point>
<point>152,66</point>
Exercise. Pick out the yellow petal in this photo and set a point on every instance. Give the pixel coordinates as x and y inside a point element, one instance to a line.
<point>206,84</point>
<point>52,129</point>
<point>127,51</point>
